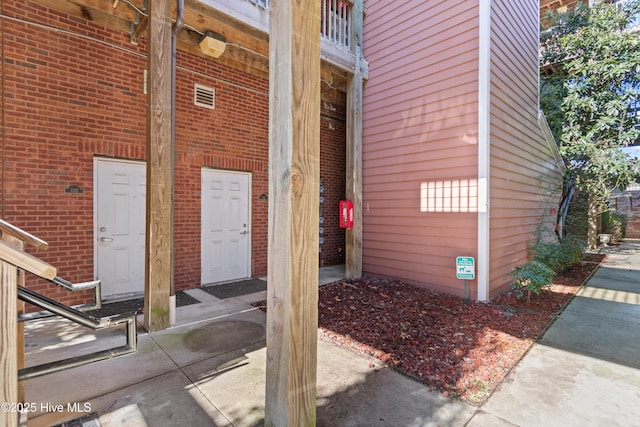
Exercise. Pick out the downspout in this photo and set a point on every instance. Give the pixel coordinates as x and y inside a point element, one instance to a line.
<point>484,104</point>
<point>177,27</point>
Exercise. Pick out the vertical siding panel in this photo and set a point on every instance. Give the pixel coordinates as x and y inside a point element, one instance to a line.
<point>420,140</point>
<point>525,179</point>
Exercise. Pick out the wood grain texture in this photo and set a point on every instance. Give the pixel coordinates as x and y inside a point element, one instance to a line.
<point>8,349</point>
<point>26,261</point>
<point>157,285</point>
<point>20,236</point>
<point>20,306</point>
<point>353,237</point>
<point>294,168</point>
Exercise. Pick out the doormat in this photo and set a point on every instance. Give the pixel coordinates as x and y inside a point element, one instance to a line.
<point>137,305</point>
<point>236,289</point>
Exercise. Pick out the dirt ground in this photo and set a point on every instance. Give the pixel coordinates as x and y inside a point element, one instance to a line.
<point>462,350</point>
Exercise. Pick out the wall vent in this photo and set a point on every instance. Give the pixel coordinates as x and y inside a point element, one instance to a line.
<point>204,96</point>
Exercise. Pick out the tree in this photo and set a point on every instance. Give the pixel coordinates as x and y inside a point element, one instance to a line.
<point>590,78</point>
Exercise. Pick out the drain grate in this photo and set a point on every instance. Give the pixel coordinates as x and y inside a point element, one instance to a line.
<point>90,420</point>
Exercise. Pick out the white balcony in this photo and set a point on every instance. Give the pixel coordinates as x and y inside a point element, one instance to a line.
<point>336,21</point>
<point>336,27</point>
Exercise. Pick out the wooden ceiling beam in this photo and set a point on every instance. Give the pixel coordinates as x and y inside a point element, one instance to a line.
<point>205,18</point>
<point>79,10</point>
<point>234,56</point>
<point>76,7</point>
<point>247,49</point>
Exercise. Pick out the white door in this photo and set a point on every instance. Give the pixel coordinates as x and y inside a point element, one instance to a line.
<point>119,220</point>
<point>226,242</point>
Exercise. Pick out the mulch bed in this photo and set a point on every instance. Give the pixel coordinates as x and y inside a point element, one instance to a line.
<point>460,349</point>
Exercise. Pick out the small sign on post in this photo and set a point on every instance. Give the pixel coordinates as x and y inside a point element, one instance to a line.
<point>465,268</point>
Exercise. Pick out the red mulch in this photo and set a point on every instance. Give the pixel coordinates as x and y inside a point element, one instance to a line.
<point>463,350</point>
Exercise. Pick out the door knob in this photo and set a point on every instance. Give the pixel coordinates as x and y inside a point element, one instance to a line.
<point>244,232</point>
<point>106,239</point>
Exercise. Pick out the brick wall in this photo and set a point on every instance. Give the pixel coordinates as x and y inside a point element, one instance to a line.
<point>628,203</point>
<point>333,174</point>
<point>67,98</point>
<point>74,91</point>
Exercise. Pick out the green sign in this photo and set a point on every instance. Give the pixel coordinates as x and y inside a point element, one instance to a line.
<point>465,268</point>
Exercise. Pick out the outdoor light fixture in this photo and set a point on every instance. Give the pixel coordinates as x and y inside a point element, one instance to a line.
<point>213,44</point>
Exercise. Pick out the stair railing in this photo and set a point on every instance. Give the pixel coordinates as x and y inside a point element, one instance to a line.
<point>13,261</point>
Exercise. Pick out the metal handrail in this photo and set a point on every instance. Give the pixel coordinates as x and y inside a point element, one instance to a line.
<point>59,281</point>
<point>82,318</point>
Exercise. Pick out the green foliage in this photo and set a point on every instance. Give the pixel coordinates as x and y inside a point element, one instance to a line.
<point>531,277</point>
<point>590,76</point>
<point>577,219</point>
<point>558,256</point>
<point>614,223</point>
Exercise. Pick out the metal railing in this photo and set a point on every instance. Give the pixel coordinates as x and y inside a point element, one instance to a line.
<point>59,281</point>
<point>12,254</point>
<point>336,21</point>
<point>84,319</point>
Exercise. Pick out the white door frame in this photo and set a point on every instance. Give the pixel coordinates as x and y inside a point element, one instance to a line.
<point>97,160</point>
<point>248,254</point>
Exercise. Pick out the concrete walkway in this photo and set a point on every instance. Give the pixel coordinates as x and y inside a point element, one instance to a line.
<point>586,369</point>
<point>209,370</point>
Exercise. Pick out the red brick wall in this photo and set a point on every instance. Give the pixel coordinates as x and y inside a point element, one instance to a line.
<point>232,136</point>
<point>75,94</point>
<point>333,174</point>
<point>67,98</point>
<point>628,203</point>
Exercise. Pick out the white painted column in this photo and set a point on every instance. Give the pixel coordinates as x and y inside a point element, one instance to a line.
<point>484,140</point>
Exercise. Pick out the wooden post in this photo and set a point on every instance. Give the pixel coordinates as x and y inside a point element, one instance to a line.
<point>157,285</point>
<point>8,341</point>
<point>353,240</point>
<point>294,191</point>
<point>17,238</point>
<point>20,307</point>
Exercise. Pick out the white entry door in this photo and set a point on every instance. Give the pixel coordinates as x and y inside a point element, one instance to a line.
<point>226,242</point>
<point>119,221</point>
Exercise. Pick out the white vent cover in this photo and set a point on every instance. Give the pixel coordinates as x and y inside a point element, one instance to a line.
<point>204,96</point>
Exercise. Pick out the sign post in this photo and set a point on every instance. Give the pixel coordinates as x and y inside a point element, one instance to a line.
<point>465,270</point>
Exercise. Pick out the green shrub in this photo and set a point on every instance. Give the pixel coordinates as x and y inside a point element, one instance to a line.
<point>532,277</point>
<point>558,256</point>
<point>614,223</point>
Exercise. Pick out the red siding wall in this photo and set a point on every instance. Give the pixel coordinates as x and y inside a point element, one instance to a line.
<point>420,140</point>
<point>525,178</point>
<point>74,90</point>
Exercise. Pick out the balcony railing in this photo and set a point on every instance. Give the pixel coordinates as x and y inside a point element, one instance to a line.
<point>262,3</point>
<point>336,21</point>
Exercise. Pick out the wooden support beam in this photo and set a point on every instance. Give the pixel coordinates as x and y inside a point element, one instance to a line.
<point>294,190</point>
<point>353,239</point>
<point>18,244</point>
<point>26,261</point>
<point>8,340</point>
<point>139,29</point>
<point>157,284</point>
<point>17,238</point>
